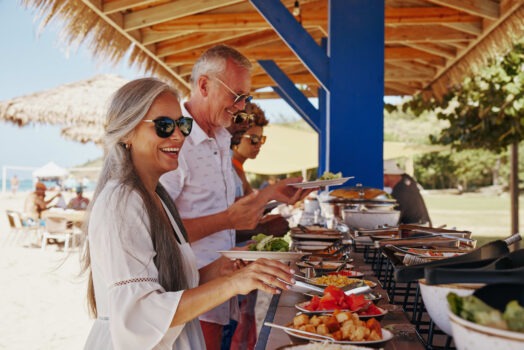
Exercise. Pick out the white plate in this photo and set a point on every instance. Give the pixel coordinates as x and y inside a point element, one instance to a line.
<point>386,336</point>
<point>321,183</point>
<point>249,255</point>
<point>302,307</point>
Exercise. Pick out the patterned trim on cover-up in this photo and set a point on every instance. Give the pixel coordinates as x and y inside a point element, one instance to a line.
<point>136,280</point>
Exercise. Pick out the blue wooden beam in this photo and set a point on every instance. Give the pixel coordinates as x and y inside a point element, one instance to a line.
<point>296,37</point>
<point>293,96</point>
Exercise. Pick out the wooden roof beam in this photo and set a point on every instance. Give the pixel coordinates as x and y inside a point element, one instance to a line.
<point>426,15</point>
<point>169,11</point>
<point>399,88</point>
<point>428,33</point>
<point>406,53</point>
<point>471,28</point>
<point>265,80</point>
<point>436,49</point>
<point>194,41</point>
<point>151,37</point>
<point>109,7</point>
<point>255,53</point>
<point>483,8</point>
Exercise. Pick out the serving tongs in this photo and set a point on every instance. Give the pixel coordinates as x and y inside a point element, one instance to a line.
<point>298,331</point>
<point>506,269</point>
<point>497,295</point>
<point>424,240</point>
<point>478,257</point>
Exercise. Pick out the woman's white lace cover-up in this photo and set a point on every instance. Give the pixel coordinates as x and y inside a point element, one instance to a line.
<point>134,310</point>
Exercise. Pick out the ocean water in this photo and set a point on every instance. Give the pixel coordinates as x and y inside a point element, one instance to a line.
<point>27,185</point>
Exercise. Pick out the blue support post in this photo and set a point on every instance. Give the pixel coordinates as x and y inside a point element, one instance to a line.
<point>323,136</point>
<point>356,90</point>
<point>296,37</point>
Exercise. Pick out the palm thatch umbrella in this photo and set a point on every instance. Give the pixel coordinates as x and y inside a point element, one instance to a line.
<point>78,107</point>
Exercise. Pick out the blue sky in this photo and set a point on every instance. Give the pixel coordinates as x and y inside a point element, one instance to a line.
<point>33,61</point>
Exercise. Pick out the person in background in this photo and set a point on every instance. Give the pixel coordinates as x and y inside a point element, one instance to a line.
<point>246,141</point>
<point>271,180</point>
<point>203,186</point>
<point>14,184</point>
<point>144,288</point>
<point>36,203</point>
<point>406,192</point>
<point>79,202</point>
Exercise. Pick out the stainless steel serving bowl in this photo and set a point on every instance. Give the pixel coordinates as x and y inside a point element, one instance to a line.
<point>370,219</point>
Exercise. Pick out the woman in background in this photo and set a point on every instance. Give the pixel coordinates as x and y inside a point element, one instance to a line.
<point>144,287</point>
<point>246,142</point>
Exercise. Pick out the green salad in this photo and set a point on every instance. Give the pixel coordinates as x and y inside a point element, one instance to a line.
<point>269,243</point>
<point>330,176</point>
<point>475,310</point>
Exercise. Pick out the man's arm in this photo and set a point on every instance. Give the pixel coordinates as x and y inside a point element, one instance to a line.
<point>244,214</point>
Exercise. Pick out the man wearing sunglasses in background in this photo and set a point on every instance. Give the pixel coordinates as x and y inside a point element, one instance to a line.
<point>203,187</point>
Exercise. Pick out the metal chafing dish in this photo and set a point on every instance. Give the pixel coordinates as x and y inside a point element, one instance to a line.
<point>364,207</point>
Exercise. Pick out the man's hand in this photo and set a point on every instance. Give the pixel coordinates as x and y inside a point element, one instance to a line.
<point>275,225</point>
<point>246,212</point>
<point>286,194</point>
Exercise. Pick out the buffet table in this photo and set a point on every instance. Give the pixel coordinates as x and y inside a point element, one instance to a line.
<point>282,310</point>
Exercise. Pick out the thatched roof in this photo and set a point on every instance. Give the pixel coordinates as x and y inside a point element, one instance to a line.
<point>429,44</point>
<point>79,108</point>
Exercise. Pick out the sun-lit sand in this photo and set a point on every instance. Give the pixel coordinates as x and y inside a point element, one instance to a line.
<point>42,296</point>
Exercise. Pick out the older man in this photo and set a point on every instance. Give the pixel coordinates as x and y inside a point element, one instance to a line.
<point>203,186</point>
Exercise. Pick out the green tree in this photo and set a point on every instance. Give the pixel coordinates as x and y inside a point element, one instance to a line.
<point>486,111</point>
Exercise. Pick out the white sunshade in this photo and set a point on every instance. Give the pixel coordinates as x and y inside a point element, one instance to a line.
<point>50,170</point>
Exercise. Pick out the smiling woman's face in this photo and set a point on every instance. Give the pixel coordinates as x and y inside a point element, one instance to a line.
<point>150,153</point>
<point>245,148</point>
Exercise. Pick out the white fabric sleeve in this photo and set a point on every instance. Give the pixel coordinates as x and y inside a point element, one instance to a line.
<point>140,310</point>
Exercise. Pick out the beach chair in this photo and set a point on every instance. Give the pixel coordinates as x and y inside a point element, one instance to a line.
<point>57,228</point>
<point>20,229</point>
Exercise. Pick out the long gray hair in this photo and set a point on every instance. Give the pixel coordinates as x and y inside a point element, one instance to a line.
<point>213,61</point>
<point>127,108</point>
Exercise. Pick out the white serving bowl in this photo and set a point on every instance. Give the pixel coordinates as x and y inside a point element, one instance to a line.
<point>436,302</point>
<point>370,219</point>
<point>471,336</point>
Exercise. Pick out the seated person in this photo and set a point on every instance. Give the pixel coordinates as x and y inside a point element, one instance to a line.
<point>36,203</point>
<point>79,202</point>
<point>406,192</point>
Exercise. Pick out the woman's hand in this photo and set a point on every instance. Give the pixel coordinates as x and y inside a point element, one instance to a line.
<point>270,276</point>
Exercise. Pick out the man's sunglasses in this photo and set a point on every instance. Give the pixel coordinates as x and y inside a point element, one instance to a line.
<point>255,139</point>
<point>238,98</point>
<point>241,117</point>
<point>165,126</point>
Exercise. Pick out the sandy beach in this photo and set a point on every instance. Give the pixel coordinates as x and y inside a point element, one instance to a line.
<point>42,295</point>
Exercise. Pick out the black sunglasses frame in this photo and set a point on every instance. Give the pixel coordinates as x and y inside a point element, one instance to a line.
<point>241,117</point>
<point>166,126</point>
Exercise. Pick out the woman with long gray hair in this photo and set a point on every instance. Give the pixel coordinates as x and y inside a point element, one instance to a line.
<point>144,287</point>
